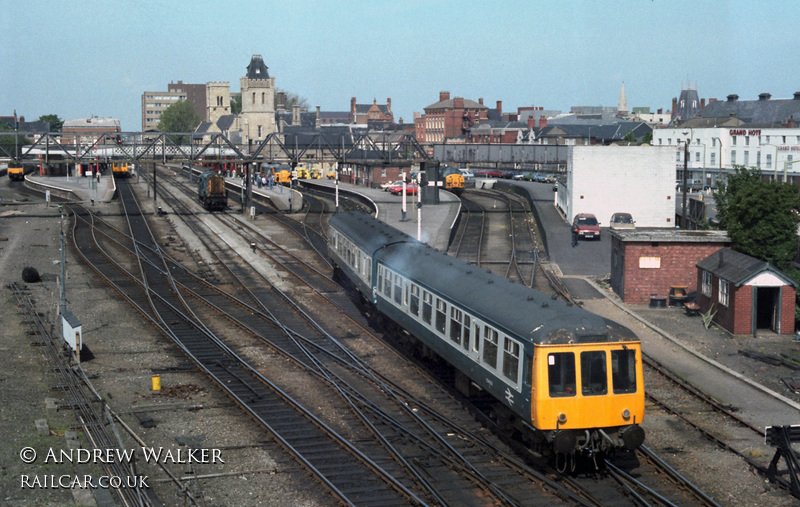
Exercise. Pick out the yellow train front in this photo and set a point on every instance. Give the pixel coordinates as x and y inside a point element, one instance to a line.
<point>120,169</point>
<point>453,179</point>
<point>566,382</point>
<point>16,172</point>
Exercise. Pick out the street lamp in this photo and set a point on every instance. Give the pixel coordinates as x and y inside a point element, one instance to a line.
<point>719,174</point>
<point>684,218</point>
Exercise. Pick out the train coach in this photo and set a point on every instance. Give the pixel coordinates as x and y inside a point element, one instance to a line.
<point>16,172</point>
<point>120,169</point>
<point>567,382</point>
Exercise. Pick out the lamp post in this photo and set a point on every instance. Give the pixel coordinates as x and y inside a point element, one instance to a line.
<point>719,174</point>
<point>684,218</point>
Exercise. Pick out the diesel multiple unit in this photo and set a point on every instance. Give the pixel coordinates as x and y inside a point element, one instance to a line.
<point>568,381</point>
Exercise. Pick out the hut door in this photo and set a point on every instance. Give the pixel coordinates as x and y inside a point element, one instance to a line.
<point>767,308</point>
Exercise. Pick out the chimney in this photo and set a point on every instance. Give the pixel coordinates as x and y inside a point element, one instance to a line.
<point>733,97</point>
<point>296,115</point>
<point>791,124</point>
<point>660,111</point>
<point>317,123</point>
<point>389,104</point>
<point>500,108</point>
<point>702,103</point>
<point>531,121</point>
<point>444,96</point>
<point>542,121</point>
<point>674,104</point>
<point>480,100</point>
<point>458,103</point>
<point>764,96</point>
<point>353,105</point>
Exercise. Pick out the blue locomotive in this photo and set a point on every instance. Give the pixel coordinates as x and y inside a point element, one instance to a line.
<point>568,381</point>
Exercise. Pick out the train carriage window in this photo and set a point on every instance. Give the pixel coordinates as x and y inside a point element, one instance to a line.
<point>561,374</point>
<point>476,345</point>
<point>427,306</point>
<point>441,315</point>
<point>387,283</point>
<point>455,324</point>
<point>398,289</point>
<point>467,325</point>
<point>380,278</point>
<point>511,360</point>
<point>623,371</point>
<point>414,303</point>
<point>490,346</point>
<point>594,378</point>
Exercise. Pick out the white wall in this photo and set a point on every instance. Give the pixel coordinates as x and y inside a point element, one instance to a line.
<point>639,180</point>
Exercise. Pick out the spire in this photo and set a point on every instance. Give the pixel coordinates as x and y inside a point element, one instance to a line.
<point>622,108</point>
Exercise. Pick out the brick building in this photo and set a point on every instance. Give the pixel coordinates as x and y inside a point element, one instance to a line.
<point>649,262</point>
<point>746,293</point>
<point>373,115</point>
<point>449,119</point>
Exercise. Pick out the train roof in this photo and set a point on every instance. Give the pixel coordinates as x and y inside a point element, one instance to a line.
<point>367,232</point>
<point>515,308</point>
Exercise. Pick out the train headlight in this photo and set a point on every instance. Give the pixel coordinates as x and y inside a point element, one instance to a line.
<point>562,418</point>
<point>626,414</point>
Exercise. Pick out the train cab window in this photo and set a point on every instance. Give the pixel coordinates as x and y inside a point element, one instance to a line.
<point>594,378</point>
<point>623,371</point>
<point>465,341</point>
<point>427,306</point>
<point>455,325</point>
<point>511,360</point>
<point>561,374</point>
<point>398,289</point>
<point>414,303</point>
<point>490,346</point>
<point>441,315</point>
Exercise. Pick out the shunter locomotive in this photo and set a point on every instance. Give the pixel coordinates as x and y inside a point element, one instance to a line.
<point>566,382</point>
<point>211,191</point>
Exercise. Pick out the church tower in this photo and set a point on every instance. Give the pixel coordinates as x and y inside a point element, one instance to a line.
<point>218,100</point>
<point>622,108</point>
<point>258,106</point>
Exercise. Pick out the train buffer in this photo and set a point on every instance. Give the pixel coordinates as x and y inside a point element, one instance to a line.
<point>782,438</point>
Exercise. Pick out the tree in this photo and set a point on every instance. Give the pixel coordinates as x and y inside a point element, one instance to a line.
<point>292,99</point>
<point>179,117</point>
<point>236,103</point>
<point>761,216</point>
<point>630,137</point>
<point>55,122</point>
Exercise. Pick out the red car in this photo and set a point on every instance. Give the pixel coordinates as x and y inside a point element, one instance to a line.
<point>587,226</point>
<point>411,189</point>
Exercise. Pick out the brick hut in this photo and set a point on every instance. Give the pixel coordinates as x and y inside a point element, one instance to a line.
<point>647,263</point>
<point>748,294</point>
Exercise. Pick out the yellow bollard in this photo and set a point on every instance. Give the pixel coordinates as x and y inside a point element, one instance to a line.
<point>156,379</point>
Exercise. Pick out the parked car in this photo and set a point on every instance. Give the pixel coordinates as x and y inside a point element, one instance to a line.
<point>622,221</point>
<point>468,175</point>
<point>587,225</point>
<point>389,184</point>
<point>411,189</point>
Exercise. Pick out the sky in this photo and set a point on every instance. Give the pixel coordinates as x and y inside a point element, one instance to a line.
<point>84,57</point>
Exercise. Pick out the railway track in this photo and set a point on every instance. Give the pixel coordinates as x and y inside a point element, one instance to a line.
<point>348,473</point>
